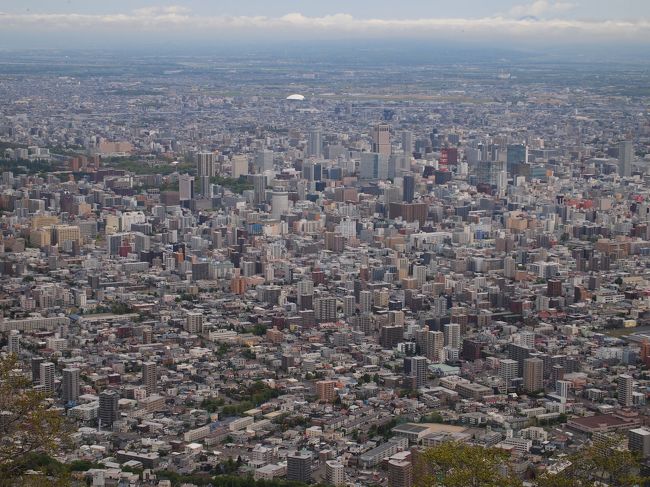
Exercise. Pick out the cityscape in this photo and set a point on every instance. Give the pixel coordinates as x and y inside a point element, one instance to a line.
<point>328,264</point>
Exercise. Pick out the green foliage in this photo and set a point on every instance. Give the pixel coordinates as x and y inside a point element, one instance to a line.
<point>212,404</point>
<point>454,464</point>
<point>232,481</point>
<point>234,185</point>
<point>26,167</point>
<point>259,330</point>
<point>30,430</point>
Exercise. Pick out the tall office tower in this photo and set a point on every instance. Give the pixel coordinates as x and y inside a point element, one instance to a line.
<point>625,157</point>
<point>408,188</point>
<point>70,385</point>
<point>638,440</point>
<point>299,467</point>
<point>431,343</point>
<point>420,274</point>
<point>508,370</point>
<point>349,305</point>
<point>205,187</point>
<point>381,139</point>
<point>186,187</point>
<point>373,165</point>
<point>259,188</point>
<point>14,342</point>
<point>149,376</point>
<point>334,473</point>
<point>239,166</point>
<point>562,387</point>
<point>36,369</point>
<point>515,154</point>
<point>365,301</point>
<point>625,390</point>
<point>206,164</point>
<point>326,390</point>
<point>533,374</point>
<point>325,309</point>
<point>315,144</point>
<point>452,335</point>
<point>108,414</point>
<point>264,161</point>
<point>400,473</point>
<point>194,323</point>
<point>407,142</point>
<point>279,204</point>
<point>47,378</point>
<point>415,368</point>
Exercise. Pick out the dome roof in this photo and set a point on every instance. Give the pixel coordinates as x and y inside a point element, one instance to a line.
<point>296,97</point>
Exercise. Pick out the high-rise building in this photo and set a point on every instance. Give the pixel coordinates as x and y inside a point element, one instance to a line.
<point>374,165</point>
<point>239,165</point>
<point>408,188</point>
<point>259,188</point>
<point>381,139</point>
<point>452,335</point>
<point>415,368</point>
<point>108,412</point>
<point>349,305</point>
<point>299,467</point>
<point>516,154</point>
<point>205,164</point>
<point>279,204</point>
<point>365,301</point>
<point>508,370</point>
<point>70,385</point>
<point>315,143</point>
<point>47,378</point>
<point>638,440</point>
<point>325,309</point>
<point>334,473</point>
<point>400,473</point>
<point>264,161</point>
<point>326,390</point>
<point>194,323</point>
<point>430,343</point>
<point>562,388</point>
<point>14,342</point>
<point>407,142</point>
<point>186,187</point>
<point>625,157</point>
<point>149,376</point>
<point>533,374</point>
<point>625,390</point>
<point>36,369</point>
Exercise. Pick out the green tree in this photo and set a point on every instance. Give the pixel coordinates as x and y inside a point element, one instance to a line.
<point>602,463</point>
<point>454,464</point>
<point>29,426</point>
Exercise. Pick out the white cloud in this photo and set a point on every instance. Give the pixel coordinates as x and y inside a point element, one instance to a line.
<point>180,21</point>
<point>540,8</point>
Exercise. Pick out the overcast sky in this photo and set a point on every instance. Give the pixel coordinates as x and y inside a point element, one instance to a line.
<point>68,23</point>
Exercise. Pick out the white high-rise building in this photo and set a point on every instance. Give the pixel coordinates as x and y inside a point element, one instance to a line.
<point>334,472</point>
<point>47,378</point>
<point>279,204</point>
<point>186,187</point>
<point>452,335</point>
<point>14,342</point>
<point>625,390</point>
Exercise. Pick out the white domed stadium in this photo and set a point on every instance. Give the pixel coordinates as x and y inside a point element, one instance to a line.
<point>296,97</point>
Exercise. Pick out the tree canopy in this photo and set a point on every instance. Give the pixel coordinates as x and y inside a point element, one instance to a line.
<point>28,425</point>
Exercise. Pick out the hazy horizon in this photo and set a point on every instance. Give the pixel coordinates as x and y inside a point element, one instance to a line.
<point>540,24</point>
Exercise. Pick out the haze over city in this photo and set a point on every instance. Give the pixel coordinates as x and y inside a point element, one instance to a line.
<point>305,243</point>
